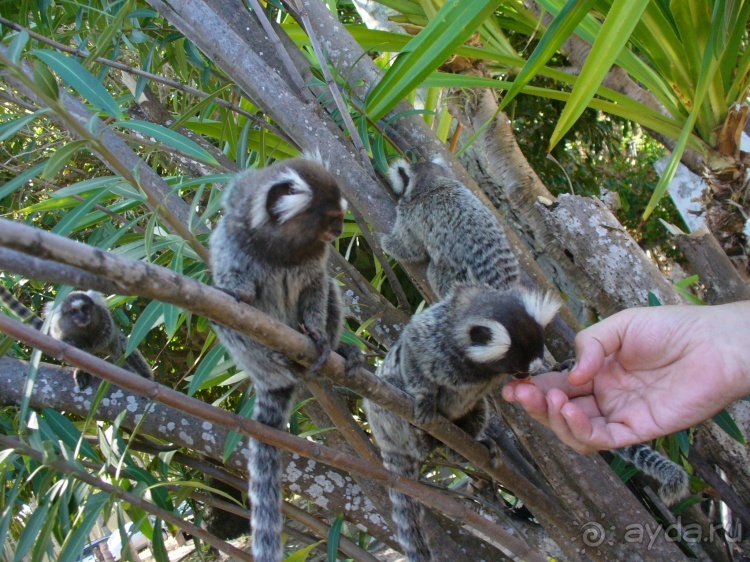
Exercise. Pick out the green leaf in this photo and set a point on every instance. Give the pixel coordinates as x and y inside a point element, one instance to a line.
<point>559,30</point>
<point>709,66</point>
<point>170,138</point>
<point>146,321</point>
<point>334,536</point>
<point>621,20</point>
<point>72,219</point>
<point>85,186</point>
<point>725,421</point>
<point>61,157</point>
<point>10,128</point>
<point>206,367</point>
<point>67,432</point>
<point>653,300</point>
<point>302,554</point>
<point>11,186</point>
<point>32,528</point>
<point>74,543</point>
<point>45,81</point>
<point>456,21</point>
<point>159,550</point>
<point>104,41</point>
<point>234,438</point>
<point>16,46</point>
<point>81,80</point>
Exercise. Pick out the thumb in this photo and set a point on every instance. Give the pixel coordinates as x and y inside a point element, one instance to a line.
<point>595,343</point>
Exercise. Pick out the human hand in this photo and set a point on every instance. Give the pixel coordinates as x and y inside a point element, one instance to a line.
<point>644,373</point>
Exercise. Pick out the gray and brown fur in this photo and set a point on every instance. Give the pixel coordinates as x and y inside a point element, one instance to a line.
<point>270,249</point>
<point>449,358</point>
<point>83,320</point>
<point>441,222</point>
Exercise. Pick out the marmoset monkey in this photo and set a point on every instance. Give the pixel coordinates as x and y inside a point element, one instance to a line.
<point>83,320</point>
<point>270,250</point>
<point>449,358</point>
<point>441,222</point>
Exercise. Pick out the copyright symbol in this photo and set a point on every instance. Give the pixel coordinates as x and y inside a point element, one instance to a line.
<point>592,534</point>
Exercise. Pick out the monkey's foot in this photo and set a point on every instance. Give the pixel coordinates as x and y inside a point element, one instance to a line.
<point>566,365</point>
<point>494,451</point>
<point>353,358</point>
<point>82,379</point>
<point>321,343</point>
<point>424,409</point>
<point>239,296</point>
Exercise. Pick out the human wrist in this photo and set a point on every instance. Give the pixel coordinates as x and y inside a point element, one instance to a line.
<point>735,340</point>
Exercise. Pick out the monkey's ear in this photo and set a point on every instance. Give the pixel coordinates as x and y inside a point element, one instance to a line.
<point>284,198</point>
<point>542,307</point>
<point>400,175</point>
<point>487,340</point>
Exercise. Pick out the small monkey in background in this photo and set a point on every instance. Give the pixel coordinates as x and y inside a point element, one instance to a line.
<point>83,320</point>
<point>441,222</point>
<point>270,250</point>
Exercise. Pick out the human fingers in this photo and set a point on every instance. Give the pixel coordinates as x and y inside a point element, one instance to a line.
<point>530,397</point>
<point>596,342</point>
<point>557,403</point>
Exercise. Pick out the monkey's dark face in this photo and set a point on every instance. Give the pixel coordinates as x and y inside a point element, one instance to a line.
<point>505,332</point>
<point>79,310</point>
<point>297,212</point>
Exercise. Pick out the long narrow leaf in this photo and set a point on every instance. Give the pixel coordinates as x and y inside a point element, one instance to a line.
<point>170,138</point>
<point>559,30</point>
<point>709,66</point>
<point>451,27</point>
<point>622,18</point>
<point>81,80</point>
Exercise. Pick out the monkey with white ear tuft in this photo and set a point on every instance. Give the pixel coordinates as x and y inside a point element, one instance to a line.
<point>270,250</point>
<point>441,222</point>
<point>449,357</point>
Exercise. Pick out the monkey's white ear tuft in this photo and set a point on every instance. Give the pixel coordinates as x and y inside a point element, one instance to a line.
<point>542,307</point>
<point>297,199</point>
<point>488,340</point>
<point>439,160</point>
<point>344,205</point>
<point>315,156</point>
<point>97,297</point>
<point>400,175</point>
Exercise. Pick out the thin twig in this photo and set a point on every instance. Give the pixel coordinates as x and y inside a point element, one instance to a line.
<point>153,77</point>
<point>60,465</point>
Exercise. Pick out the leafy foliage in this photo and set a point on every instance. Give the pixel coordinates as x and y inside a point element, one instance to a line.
<point>59,174</point>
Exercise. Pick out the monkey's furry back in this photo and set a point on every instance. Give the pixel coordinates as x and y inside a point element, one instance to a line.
<point>269,248</point>
<point>440,221</point>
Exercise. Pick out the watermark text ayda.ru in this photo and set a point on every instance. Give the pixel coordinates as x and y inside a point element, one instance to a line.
<point>594,534</point>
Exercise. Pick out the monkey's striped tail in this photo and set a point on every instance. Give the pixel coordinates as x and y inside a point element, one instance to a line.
<point>408,512</point>
<point>265,496</point>
<point>675,482</point>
